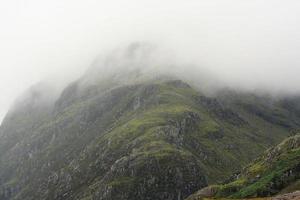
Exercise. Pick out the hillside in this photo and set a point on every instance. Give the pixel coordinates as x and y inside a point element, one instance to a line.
<point>276,171</point>
<point>154,139</point>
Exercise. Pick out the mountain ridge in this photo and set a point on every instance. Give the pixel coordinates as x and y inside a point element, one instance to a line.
<point>158,139</point>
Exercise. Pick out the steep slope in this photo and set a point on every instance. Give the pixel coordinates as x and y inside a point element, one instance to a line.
<point>155,139</point>
<point>276,171</point>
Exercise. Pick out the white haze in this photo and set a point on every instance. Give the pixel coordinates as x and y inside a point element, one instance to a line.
<point>249,44</point>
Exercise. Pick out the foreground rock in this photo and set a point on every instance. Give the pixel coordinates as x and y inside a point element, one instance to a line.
<point>289,196</point>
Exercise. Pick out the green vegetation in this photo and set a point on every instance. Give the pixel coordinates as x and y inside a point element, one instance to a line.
<point>276,171</point>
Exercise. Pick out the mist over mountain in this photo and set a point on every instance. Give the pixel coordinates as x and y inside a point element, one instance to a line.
<point>136,125</point>
<point>140,62</point>
<point>149,100</point>
<point>252,44</point>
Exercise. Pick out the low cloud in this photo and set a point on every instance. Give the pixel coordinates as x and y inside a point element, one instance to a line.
<point>248,45</point>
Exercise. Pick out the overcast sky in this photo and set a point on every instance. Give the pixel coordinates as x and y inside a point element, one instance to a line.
<point>253,43</point>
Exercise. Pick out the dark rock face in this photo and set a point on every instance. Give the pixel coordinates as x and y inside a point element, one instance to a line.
<point>154,140</point>
<point>221,112</point>
<point>168,180</point>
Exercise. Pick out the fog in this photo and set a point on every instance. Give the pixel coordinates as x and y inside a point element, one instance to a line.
<point>249,44</point>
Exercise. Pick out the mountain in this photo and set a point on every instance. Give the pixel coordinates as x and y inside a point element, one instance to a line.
<point>161,139</point>
<point>122,131</point>
<point>276,171</point>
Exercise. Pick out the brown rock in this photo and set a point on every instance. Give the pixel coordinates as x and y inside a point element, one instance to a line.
<point>289,196</point>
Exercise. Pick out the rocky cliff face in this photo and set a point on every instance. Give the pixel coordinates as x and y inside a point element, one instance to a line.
<point>157,139</point>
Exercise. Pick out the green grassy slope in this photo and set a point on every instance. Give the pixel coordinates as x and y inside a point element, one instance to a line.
<point>276,171</point>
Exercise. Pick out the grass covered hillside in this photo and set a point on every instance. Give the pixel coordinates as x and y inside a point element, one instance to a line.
<point>277,171</point>
<point>159,139</point>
